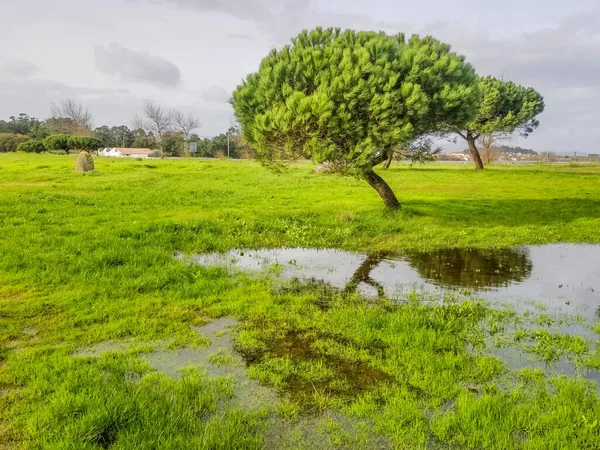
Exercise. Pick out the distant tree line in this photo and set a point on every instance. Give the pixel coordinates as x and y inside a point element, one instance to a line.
<point>70,128</point>
<point>507,149</point>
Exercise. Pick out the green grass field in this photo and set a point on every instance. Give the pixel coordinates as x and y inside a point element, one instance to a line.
<point>89,259</point>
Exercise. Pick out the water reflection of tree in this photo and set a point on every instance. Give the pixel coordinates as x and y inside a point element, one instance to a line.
<point>454,267</point>
<point>472,268</point>
<point>363,274</point>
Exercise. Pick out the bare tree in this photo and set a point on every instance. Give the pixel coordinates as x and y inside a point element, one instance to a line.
<point>71,117</point>
<point>487,141</point>
<point>156,120</point>
<point>421,150</point>
<point>185,124</point>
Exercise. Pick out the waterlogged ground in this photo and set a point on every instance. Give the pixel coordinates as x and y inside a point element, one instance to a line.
<point>559,277</point>
<point>219,360</point>
<point>554,285</point>
<point>336,366</point>
<point>109,341</point>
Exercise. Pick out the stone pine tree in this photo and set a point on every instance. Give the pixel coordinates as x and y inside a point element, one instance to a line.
<point>57,142</point>
<point>348,99</point>
<point>504,107</point>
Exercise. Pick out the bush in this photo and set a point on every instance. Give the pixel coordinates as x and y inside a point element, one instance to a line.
<point>9,142</point>
<point>32,146</point>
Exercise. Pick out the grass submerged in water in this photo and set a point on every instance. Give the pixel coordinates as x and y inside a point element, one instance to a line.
<point>86,260</point>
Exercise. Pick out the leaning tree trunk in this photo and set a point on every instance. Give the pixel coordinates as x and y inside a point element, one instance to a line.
<point>382,188</point>
<point>363,274</point>
<point>388,161</point>
<point>474,152</point>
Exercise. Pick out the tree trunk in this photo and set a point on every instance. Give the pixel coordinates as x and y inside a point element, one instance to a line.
<point>388,161</point>
<point>474,152</point>
<point>382,188</point>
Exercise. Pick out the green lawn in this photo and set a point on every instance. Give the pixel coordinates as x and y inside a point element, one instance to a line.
<point>89,259</point>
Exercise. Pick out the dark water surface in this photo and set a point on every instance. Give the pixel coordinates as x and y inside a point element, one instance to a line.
<point>561,277</point>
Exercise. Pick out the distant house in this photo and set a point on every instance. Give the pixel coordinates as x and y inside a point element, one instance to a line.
<point>118,152</point>
<point>460,155</point>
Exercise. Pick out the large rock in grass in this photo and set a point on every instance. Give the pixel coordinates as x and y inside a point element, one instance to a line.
<point>85,163</point>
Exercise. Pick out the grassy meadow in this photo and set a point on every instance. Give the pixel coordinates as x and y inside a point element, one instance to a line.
<point>89,259</point>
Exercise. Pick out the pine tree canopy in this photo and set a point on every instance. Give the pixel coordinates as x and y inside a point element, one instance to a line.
<point>347,97</point>
<point>506,107</point>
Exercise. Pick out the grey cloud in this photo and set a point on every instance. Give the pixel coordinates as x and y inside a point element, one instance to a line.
<point>108,106</point>
<point>46,87</point>
<point>136,66</point>
<point>215,94</point>
<point>17,68</point>
<point>567,55</point>
<point>279,19</point>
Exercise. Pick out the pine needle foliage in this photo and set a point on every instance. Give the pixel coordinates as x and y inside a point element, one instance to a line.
<point>347,98</point>
<point>503,107</point>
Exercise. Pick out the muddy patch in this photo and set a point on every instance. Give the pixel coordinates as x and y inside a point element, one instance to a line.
<point>304,367</point>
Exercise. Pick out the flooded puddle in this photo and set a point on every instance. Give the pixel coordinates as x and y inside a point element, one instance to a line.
<point>562,277</point>
<point>220,359</point>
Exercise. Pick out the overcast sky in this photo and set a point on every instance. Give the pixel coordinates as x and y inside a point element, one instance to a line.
<point>191,54</point>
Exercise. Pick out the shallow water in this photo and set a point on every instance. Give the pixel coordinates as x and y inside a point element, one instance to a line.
<point>219,360</point>
<point>561,277</point>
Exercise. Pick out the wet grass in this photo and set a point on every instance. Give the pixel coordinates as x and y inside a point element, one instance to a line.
<point>96,405</point>
<point>86,260</point>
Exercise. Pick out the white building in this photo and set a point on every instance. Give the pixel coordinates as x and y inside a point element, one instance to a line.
<point>460,155</point>
<point>117,152</point>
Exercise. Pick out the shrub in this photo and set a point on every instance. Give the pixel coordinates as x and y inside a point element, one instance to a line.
<point>9,142</point>
<point>32,146</point>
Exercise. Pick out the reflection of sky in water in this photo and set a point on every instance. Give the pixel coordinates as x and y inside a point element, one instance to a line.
<point>335,267</point>
<point>561,276</point>
<point>574,267</point>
